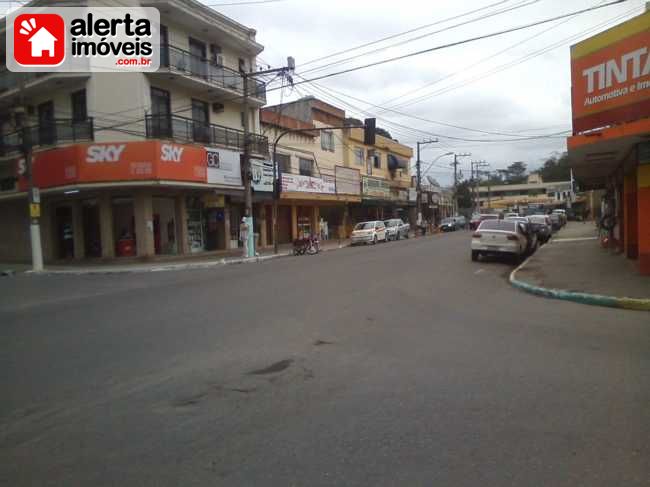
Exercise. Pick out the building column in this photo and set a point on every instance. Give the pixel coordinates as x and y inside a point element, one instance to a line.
<point>106,226</point>
<point>343,229</point>
<point>78,230</point>
<point>48,231</point>
<point>180,210</point>
<point>294,222</point>
<point>226,222</point>
<point>316,220</point>
<point>643,218</point>
<point>262,217</point>
<point>143,212</point>
<point>630,225</point>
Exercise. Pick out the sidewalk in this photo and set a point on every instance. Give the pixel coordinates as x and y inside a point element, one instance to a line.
<point>165,262</point>
<point>574,267</point>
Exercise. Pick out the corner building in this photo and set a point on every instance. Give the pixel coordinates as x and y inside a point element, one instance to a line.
<point>138,164</point>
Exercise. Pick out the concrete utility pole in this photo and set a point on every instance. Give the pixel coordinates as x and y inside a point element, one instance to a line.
<point>455,164</point>
<point>476,176</point>
<point>33,194</point>
<point>246,160</point>
<point>418,164</point>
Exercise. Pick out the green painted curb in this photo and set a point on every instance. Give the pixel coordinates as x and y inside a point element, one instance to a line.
<point>583,298</point>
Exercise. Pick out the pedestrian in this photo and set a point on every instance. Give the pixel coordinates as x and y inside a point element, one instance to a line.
<point>243,235</point>
<point>585,215</point>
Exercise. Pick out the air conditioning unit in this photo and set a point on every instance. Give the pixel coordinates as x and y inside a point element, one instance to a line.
<point>218,60</point>
<point>217,107</point>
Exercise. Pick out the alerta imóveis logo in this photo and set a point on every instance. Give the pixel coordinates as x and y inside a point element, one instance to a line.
<point>83,39</point>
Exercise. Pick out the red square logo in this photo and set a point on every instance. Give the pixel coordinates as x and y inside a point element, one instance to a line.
<point>39,40</point>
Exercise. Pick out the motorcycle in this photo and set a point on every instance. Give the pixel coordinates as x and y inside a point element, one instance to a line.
<point>309,245</point>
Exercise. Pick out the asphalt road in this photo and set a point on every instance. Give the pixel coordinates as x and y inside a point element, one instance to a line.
<point>403,364</point>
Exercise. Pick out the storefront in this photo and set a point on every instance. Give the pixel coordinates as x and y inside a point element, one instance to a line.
<point>132,199</point>
<point>609,148</point>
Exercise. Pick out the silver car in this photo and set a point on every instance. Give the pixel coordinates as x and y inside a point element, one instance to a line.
<point>396,229</point>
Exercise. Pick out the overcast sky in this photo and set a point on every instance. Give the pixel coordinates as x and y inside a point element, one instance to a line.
<point>530,97</point>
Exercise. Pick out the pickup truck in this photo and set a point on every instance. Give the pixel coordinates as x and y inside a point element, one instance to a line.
<point>396,229</point>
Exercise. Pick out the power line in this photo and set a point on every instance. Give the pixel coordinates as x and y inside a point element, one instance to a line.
<point>523,3</point>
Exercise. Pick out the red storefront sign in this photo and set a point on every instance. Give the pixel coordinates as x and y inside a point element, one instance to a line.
<point>116,161</point>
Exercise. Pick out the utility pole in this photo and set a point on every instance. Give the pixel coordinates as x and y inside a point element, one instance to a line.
<point>476,176</point>
<point>455,164</point>
<point>418,164</point>
<point>246,159</point>
<point>33,194</point>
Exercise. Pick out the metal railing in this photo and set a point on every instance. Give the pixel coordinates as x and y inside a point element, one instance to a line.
<point>187,130</point>
<point>49,133</point>
<point>10,80</point>
<point>179,60</point>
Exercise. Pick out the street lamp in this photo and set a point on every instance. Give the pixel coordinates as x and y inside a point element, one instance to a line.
<point>436,160</point>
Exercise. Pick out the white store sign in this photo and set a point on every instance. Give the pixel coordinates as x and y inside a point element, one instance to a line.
<point>224,167</point>
<point>307,184</point>
<point>262,175</point>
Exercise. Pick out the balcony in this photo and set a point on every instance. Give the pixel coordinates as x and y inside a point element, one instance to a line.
<point>35,84</point>
<point>51,133</point>
<point>201,73</point>
<point>187,130</point>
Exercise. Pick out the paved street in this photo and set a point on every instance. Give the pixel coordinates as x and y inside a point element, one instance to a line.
<point>403,364</point>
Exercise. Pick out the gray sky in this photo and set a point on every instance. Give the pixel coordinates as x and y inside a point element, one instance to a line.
<point>530,97</point>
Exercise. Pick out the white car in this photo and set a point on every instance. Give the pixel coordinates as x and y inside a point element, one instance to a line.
<point>499,237</point>
<point>369,232</point>
<point>511,215</point>
<point>396,229</point>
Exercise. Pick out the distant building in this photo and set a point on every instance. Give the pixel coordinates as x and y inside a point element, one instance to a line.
<point>535,192</point>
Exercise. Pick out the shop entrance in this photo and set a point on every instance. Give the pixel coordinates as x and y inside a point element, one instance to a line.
<point>164,226</point>
<point>92,232</point>
<point>64,235</point>
<point>284,224</point>
<point>124,227</point>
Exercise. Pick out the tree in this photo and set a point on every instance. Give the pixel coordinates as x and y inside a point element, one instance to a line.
<point>383,133</point>
<point>464,194</point>
<point>515,173</point>
<point>556,168</point>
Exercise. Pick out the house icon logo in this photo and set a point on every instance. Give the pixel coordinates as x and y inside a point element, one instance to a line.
<point>39,40</point>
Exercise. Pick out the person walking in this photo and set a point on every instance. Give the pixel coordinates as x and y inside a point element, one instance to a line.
<point>243,235</point>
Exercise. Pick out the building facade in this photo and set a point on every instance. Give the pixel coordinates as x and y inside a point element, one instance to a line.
<point>609,148</point>
<point>137,164</point>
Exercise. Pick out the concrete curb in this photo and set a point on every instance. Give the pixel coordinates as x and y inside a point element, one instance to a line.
<point>171,267</point>
<point>582,298</point>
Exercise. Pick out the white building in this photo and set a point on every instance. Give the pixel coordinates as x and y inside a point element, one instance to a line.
<point>123,160</point>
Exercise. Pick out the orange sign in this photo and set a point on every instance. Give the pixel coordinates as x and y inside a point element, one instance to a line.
<point>610,77</point>
<point>117,161</point>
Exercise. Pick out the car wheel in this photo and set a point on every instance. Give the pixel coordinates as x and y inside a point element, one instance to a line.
<point>398,236</point>
<point>374,240</point>
<point>475,254</point>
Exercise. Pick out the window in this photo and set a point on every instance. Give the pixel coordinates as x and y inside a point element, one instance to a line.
<point>161,124</point>
<point>377,161</point>
<point>164,45</point>
<point>359,156</point>
<point>284,163</point>
<point>79,109</point>
<point>242,65</point>
<point>200,117</point>
<point>241,118</point>
<point>306,167</point>
<point>327,140</point>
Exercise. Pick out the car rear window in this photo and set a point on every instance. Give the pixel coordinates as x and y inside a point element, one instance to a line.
<point>503,225</point>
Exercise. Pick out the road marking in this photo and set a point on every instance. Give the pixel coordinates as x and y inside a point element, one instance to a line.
<point>479,271</point>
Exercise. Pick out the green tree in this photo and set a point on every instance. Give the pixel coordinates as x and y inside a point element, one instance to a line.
<point>515,173</point>
<point>464,194</point>
<point>556,168</point>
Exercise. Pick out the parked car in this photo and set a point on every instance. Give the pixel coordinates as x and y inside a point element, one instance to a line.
<point>511,215</point>
<point>531,235</point>
<point>461,222</point>
<point>556,222</point>
<point>562,215</point>
<point>482,217</point>
<point>501,238</point>
<point>396,229</point>
<point>448,225</point>
<point>541,224</point>
<point>369,232</point>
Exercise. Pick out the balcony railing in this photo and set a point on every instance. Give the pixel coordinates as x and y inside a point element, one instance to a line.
<point>188,130</point>
<point>187,63</point>
<point>53,132</point>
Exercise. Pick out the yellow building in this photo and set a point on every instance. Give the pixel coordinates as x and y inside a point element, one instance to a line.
<point>386,190</point>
